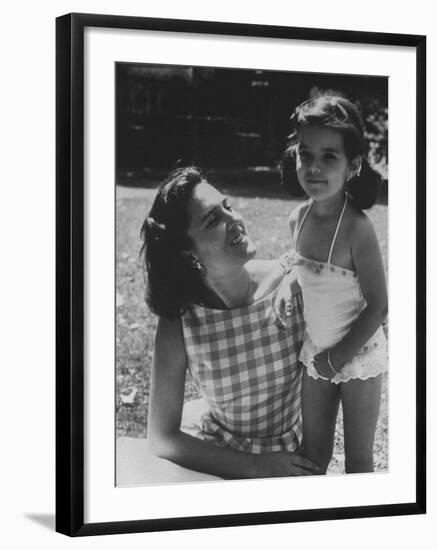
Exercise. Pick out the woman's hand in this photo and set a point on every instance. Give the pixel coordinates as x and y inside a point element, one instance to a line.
<point>284,464</point>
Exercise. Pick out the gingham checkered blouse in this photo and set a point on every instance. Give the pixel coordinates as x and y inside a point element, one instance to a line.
<point>247,370</point>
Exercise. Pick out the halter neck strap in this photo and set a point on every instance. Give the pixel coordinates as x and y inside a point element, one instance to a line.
<point>334,238</point>
<point>336,230</point>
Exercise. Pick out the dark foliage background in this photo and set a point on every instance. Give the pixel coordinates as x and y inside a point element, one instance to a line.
<point>226,118</point>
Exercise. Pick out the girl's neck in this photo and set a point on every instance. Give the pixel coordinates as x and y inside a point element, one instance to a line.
<point>328,208</point>
<point>229,290</point>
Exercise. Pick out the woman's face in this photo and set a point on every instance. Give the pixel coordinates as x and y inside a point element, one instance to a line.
<point>321,162</point>
<point>217,230</point>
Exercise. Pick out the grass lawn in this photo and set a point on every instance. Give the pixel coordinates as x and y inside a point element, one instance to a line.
<point>266,220</point>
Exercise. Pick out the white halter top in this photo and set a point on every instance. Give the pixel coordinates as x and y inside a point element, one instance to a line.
<point>331,294</point>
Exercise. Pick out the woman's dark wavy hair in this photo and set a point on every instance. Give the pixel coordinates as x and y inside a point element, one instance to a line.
<point>337,112</point>
<point>172,283</point>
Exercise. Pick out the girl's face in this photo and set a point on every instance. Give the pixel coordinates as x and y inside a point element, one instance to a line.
<point>217,230</point>
<point>321,162</point>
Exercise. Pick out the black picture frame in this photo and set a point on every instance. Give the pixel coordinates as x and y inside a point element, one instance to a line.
<point>70,273</point>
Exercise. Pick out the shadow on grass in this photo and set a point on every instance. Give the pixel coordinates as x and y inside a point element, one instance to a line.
<point>243,183</point>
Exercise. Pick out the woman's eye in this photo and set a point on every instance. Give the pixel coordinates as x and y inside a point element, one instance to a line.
<point>213,221</point>
<point>227,205</point>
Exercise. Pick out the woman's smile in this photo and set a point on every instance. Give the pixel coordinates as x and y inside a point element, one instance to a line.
<point>240,237</point>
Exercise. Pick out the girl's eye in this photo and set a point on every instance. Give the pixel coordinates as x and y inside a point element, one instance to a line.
<point>329,156</point>
<point>227,205</point>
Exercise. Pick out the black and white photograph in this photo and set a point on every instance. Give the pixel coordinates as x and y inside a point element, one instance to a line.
<point>240,303</point>
<point>251,269</point>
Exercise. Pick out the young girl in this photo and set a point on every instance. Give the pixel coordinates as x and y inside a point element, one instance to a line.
<point>340,271</point>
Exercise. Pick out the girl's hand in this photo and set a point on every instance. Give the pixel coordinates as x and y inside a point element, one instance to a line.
<point>282,306</point>
<point>283,302</point>
<point>282,464</point>
<point>322,366</point>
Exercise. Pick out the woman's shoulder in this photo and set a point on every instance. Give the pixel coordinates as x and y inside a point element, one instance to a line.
<point>169,341</point>
<point>266,274</point>
<point>169,330</point>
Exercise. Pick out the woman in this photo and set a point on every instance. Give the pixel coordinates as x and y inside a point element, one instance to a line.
<point>216,320</point>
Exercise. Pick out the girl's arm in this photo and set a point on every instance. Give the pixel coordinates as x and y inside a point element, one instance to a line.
<point>165,413</point>
<point>366,256</point>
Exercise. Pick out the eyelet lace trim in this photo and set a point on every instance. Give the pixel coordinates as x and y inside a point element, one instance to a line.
<point>292,258</point>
